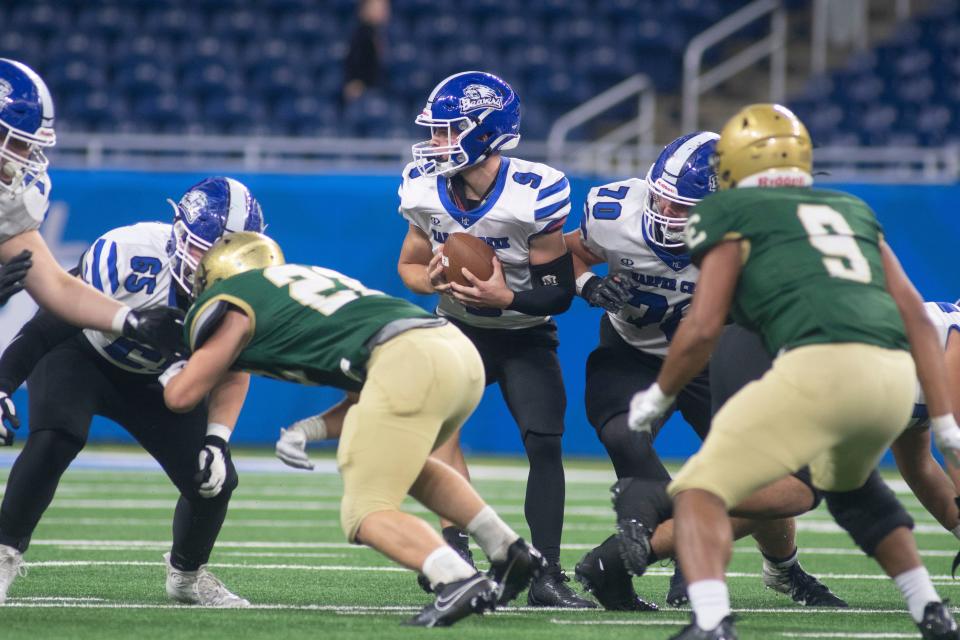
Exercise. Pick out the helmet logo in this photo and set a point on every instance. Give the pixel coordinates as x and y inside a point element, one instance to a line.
<point>712,182</point>
<point>5,90</point>
<point>192,203</point>
<point>478,96</point>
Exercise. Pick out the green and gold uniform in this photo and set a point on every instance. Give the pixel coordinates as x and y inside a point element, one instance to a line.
<point>812,284</point>
<point>419,378</point>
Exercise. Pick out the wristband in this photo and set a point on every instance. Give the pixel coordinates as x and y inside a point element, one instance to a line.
<point>583,279</point>
<point>218,430</point>
<point>314,428</point>
<point>940,425</point>
<point>658,397</point>
<point>119,319</point>
<point>170,372</point>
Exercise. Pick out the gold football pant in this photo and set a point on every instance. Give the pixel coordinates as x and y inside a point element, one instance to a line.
<point>834,407</point>
<point>421,387</point>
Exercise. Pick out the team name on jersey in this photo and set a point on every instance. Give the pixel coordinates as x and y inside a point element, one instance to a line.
<point>663,282</point>
<point>496,243</point>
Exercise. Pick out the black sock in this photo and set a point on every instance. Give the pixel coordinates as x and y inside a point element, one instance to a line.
<point>196,525</point>
<point>546,492</point>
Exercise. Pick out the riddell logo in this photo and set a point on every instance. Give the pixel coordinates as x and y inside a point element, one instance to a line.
<point>781,181</point>
<point>478,96</point>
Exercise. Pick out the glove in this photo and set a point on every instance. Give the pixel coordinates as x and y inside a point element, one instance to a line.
<point>292,449</point>
<point>647,406</point>
<point>213,466</point>
<point>157,327</point>
<point>8,420</point>
<point>12,275</point>
<point>609,292</point>
<point>947,436</point>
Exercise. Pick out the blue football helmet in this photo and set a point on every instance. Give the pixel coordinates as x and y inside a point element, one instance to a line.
<point>26,127</point>
<point>682,174</point>
<point>477,112</point>
<point>208,210</point>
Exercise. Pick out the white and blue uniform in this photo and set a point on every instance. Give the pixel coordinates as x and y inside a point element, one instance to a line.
<point>25,211</point>
<point>945,316</point>
<point>662,282</point>
<point>131,265</point>
<point>528,199</point>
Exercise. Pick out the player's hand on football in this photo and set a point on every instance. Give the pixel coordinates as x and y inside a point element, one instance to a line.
<point>435,272</point>
<point>12,275</point>
<point>213,467</point>
<point>609,292</point>
<point>157,327</point>
<point>493,292</point>
<point>292,449</point>
<point>8,420</point>
<point>648,406</point>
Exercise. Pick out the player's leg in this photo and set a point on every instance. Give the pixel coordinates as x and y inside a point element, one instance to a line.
<point>926,478</point>
<point>66,389</point>
<point>532,386</point>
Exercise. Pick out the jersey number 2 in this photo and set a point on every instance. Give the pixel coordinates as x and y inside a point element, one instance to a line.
<point>831,235</point>
<point>321,289</point>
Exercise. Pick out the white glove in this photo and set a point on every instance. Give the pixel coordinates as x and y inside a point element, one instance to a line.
<point>170,372</point>
<point>292,449</point>
<point>946,434</point>
<point>213,467</point>
<point>647,406</point>
<point>8,420</point>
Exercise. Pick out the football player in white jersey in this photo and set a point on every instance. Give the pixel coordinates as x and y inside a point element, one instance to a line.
<point>75,375</point>
<point>26,129</point>
<point>636,226</point>
<point>460,182</point>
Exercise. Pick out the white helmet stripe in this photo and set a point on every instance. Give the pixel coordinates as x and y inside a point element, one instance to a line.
<point>237,212</point>
<point>46,100</point>
<point>443,83</point>
<point>679,158</point>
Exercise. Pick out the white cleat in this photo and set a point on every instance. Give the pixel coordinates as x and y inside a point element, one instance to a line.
<point>200,587</point>
<point>11,566</point>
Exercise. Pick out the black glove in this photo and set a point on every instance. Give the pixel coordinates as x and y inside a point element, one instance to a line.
<point>12,275</point>
<point>609,292</point>
<point>157,327</point>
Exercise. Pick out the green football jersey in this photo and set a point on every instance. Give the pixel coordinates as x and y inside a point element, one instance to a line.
<point>813,271</point>
<point>308,324</point>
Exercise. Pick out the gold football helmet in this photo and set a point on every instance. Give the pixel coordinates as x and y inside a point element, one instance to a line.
<point>236,253</point>
<point>759,138</point>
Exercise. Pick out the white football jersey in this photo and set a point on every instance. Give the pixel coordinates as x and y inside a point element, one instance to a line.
<point>528,199</point>
<point>662,282</point>
<point>946,318</point>
<point>131,265</point>
<point>24,212</point>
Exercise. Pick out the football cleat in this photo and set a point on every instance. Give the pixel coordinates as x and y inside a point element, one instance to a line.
<point>523,564</point>
<point>677,593</point>
<point>460,542</point>
<point>457,600</point>
<point>723,631</point>
<point>551,590</point>
<point>937,623</point>
<point>635,549</point>
<point>601,572</point>
<point>11,566</point>
<point>801,586</point>
<point>200,587</point>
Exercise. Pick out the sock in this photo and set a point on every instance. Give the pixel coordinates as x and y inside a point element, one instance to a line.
<point>956,531</point>
<point>444,566</point>
<point>710,602</point>
<point>780,565</point>
<point>917,590</point>
<point>492,534</point>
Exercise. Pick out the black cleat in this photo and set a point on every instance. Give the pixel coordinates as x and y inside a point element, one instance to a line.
<point>601,572</point>
<point>677,594</point>
<point>550,590</point>
<point>723,631</point>
<point>801,586</point>
<point>457,600</point>
<point>456,538</point>
<point>937,623</point>
<point>513,575</point>
<point>635,546</point>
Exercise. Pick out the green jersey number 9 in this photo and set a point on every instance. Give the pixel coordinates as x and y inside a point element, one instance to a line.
<point>831,235</point>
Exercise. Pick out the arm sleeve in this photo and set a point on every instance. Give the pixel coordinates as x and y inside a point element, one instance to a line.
<point>34,340</point>
<point>553,288</point>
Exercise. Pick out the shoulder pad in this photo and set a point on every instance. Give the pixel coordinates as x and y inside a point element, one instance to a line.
<point>206,322</point>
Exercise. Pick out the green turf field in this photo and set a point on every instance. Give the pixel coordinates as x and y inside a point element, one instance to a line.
<point>95,568</point>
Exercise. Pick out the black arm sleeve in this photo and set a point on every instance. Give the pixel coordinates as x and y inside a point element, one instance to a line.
<point>553,288</point>
<point>41,334</point>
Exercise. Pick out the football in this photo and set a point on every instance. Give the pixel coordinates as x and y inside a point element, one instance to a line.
<point>463,250</point>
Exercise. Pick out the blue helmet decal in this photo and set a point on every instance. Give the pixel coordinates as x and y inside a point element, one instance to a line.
<point>470,115</point>
<point>208,210</point>
<point>682,175</point>
<point>26,127</point>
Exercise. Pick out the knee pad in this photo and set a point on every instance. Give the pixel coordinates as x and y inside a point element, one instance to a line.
<point>869,514</point>
<point>803,475</point>
<point>643,500</point>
